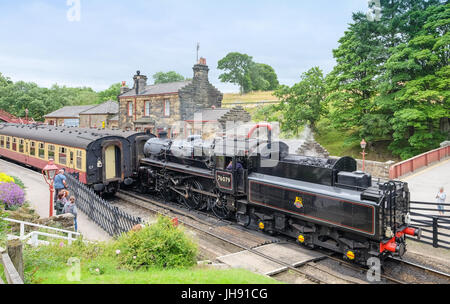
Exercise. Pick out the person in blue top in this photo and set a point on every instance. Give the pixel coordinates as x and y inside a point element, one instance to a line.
<point>59,182</point>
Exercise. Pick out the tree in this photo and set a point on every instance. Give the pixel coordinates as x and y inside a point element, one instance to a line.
<point>250,76</point>
<point>419,90</point>
<point>268,73</point>
<point>304,102</point>
<point>352,82</point>
<point>237,68</point>
<point>171,76</point>
<point>109,94</point>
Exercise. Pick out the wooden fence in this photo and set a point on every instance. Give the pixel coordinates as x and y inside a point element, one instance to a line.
<point>12,261</point>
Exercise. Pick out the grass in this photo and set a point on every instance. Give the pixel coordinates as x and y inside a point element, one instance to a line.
<point>339,143</point>
<point>153,255</point>
<point>157,276</point>
<point>256,96</point>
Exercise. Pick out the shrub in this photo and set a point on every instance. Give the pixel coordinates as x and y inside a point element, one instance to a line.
<point>11,195</point>
<point>161,245</point>
<point>3,227</point>
<point>18,182</point>
<point>6,178</point>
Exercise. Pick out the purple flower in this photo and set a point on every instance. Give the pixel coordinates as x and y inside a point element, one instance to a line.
<point>11,195</point>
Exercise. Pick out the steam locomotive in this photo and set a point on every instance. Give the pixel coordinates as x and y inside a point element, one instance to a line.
<point>320,202</point>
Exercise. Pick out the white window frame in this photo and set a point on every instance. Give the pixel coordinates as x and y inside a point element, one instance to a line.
<point>147,108</point>
<point>166,107</point>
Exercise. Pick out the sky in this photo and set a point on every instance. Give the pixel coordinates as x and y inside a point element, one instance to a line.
<point>112,39</point>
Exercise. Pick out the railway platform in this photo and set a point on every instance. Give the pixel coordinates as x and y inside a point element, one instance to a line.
<point>37,193</point>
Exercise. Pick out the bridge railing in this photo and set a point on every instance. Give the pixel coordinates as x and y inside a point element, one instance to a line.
<point>418,162</point>
<point>435,229</point>
<point>110,218</point>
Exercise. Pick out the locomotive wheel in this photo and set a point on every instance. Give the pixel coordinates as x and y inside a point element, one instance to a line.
<point>220,209</point>
<point>195,200</point>
<point>243,219</point>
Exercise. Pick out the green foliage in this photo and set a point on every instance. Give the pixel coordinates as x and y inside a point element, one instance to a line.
<point>18,182</point>
<point>15,97</point>
<point>171,76</point>
<point>161,245</point>
<point>250,76</point>
<point>267,113</point>
<point>109,94</point>
<point>3,226</point>
<point>303,103</point>
<point>392,77</point>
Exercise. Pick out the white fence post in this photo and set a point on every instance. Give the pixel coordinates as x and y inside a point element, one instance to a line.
<point>22,230</point>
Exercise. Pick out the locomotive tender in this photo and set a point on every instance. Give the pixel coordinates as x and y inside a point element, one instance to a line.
<point>320,202</point>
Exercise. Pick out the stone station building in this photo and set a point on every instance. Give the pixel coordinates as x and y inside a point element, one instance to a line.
<point>158,107</point>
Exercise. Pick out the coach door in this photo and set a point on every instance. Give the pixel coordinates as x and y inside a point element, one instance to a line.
<point>71,158</point>
<point>113,159</point>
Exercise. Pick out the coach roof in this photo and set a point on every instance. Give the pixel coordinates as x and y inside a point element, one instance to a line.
<point>66,136</point>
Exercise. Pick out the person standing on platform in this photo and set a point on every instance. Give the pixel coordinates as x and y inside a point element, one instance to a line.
<point>59,183</point>
<point>71,208</point>
<point>441,196</point>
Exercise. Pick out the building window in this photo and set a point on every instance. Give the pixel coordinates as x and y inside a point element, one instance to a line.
<point>147,108</point>
<point>14,145</point>
<point>130,108</point>
<point>8,142</point>
<point>51,152</point>
<point>62,156</point>
<point>33,148</point>
<point>2,141</point>
<point>167,108</point>
<point>79,159</point>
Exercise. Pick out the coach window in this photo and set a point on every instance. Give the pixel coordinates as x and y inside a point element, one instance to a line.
<point>33,148</point>
<point>51,152</point>
<point>41,151</point>
<point>62,155</point>
<point>8,142</point>
<point>21,142</point>
<point>14,145</point>
<point>2,141</point>
<point>79,159</point>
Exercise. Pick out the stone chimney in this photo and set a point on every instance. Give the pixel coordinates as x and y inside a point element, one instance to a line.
<point>124,88</point>
<point>140,82</point>
<point>201,71</point>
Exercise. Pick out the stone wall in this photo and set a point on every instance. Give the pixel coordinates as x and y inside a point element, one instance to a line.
<point>200,94</point>
<point>94,120</point>
<point>236,114</point>
<point>374,168</point>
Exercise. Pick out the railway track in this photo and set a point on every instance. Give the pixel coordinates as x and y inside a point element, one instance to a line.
<point>243,240</point>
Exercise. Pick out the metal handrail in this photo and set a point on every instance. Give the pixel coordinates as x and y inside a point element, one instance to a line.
<point>34,235</point>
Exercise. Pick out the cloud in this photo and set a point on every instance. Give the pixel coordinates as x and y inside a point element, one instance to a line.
<point>116,38</point>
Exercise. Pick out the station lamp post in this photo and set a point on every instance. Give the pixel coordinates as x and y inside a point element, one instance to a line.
<point>26,116</point>
<point>49,173</point>
<point>363,147</point>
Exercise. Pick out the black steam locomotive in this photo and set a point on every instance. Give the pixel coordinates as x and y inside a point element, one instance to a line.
<point>320,202</point>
